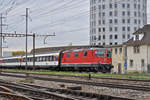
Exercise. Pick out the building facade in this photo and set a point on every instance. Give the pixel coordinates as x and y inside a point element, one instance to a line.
<point>112,22</point>
<point>138,51</point>
<point>118,58</point>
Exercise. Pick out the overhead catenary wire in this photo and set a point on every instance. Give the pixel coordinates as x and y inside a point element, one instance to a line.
<point>4,6</point>
<point>74,5</point>
<point>71,18</point>
<point>36,15</point>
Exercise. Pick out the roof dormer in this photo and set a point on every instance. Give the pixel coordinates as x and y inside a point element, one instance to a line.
<point>138,36</point>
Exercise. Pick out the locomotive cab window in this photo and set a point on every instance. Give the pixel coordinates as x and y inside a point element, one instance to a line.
<point>76,54</point>
<point>109,54</point>
<point>68,55</point>
<point>99,53</point>
<point>85,53</point>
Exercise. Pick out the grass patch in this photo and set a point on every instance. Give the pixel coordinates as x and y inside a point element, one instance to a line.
<point>106,75</point>
<point>27,80</point>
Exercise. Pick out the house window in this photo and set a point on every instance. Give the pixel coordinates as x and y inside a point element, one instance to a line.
<point>99,29</point>
<point>103,43</point>
<point>123,5</point>
<point>110,29</point>
<point>116,50</point>
<point>128,13</point>
<point>123,21</point>
<point>120,50</point>
<point>103,14</point>
<point>142,63</point>
<point>128,36</point>
<point>104,22</point>
<point>99,38</point>
<point>103,6</point>
<point>103,36</point>
<point>99,22</point>
<point>131,63</point>
<point>116,43</point>
<point>135,14</point>
<point>116,29</point>
<point>116,5</point>
<point>123,36</point>
<point>134,6</point>
<point>110,13</point>
<point>128,5</point>
<point>128,21</point>
<point>103,29</point>
<point>116,21</point>
<point>136,49</point>
<point>110,21</point>
<point>110,37</point>
<point>135,21</point>
<point>137,37</point>
<point>123,28</point>
<point>123,13</point>
<point>128,29</point>
<point>110,5</point>
<point>116,36</point>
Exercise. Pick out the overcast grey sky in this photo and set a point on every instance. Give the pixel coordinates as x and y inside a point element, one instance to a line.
<point>69,19</point>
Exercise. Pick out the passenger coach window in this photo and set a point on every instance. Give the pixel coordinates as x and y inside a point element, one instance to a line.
<point>44,58</point>
<point>85,53</point>
<point>47,58</point>
<point>99,53</point>
<point>68,55</point>
<point>41,59</point>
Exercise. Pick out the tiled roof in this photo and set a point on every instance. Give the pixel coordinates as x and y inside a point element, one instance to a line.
<point>55,49</point>
<point>146,28</point>
<point>144,40</point>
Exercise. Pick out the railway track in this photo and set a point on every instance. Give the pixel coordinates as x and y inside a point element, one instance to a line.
<point>83,77</point>
<point>99,84</point>
<point>62,94</point>
<point>11,96</point>
<point>34,94</point>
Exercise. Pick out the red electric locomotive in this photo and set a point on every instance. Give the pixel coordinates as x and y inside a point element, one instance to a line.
<point>93,59</point>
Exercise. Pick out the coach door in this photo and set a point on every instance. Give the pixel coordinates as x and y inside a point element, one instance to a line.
<point>119,68</point>
<point>148,68</point>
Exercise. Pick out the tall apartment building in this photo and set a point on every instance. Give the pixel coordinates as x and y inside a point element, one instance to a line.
<point>112,22</point>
